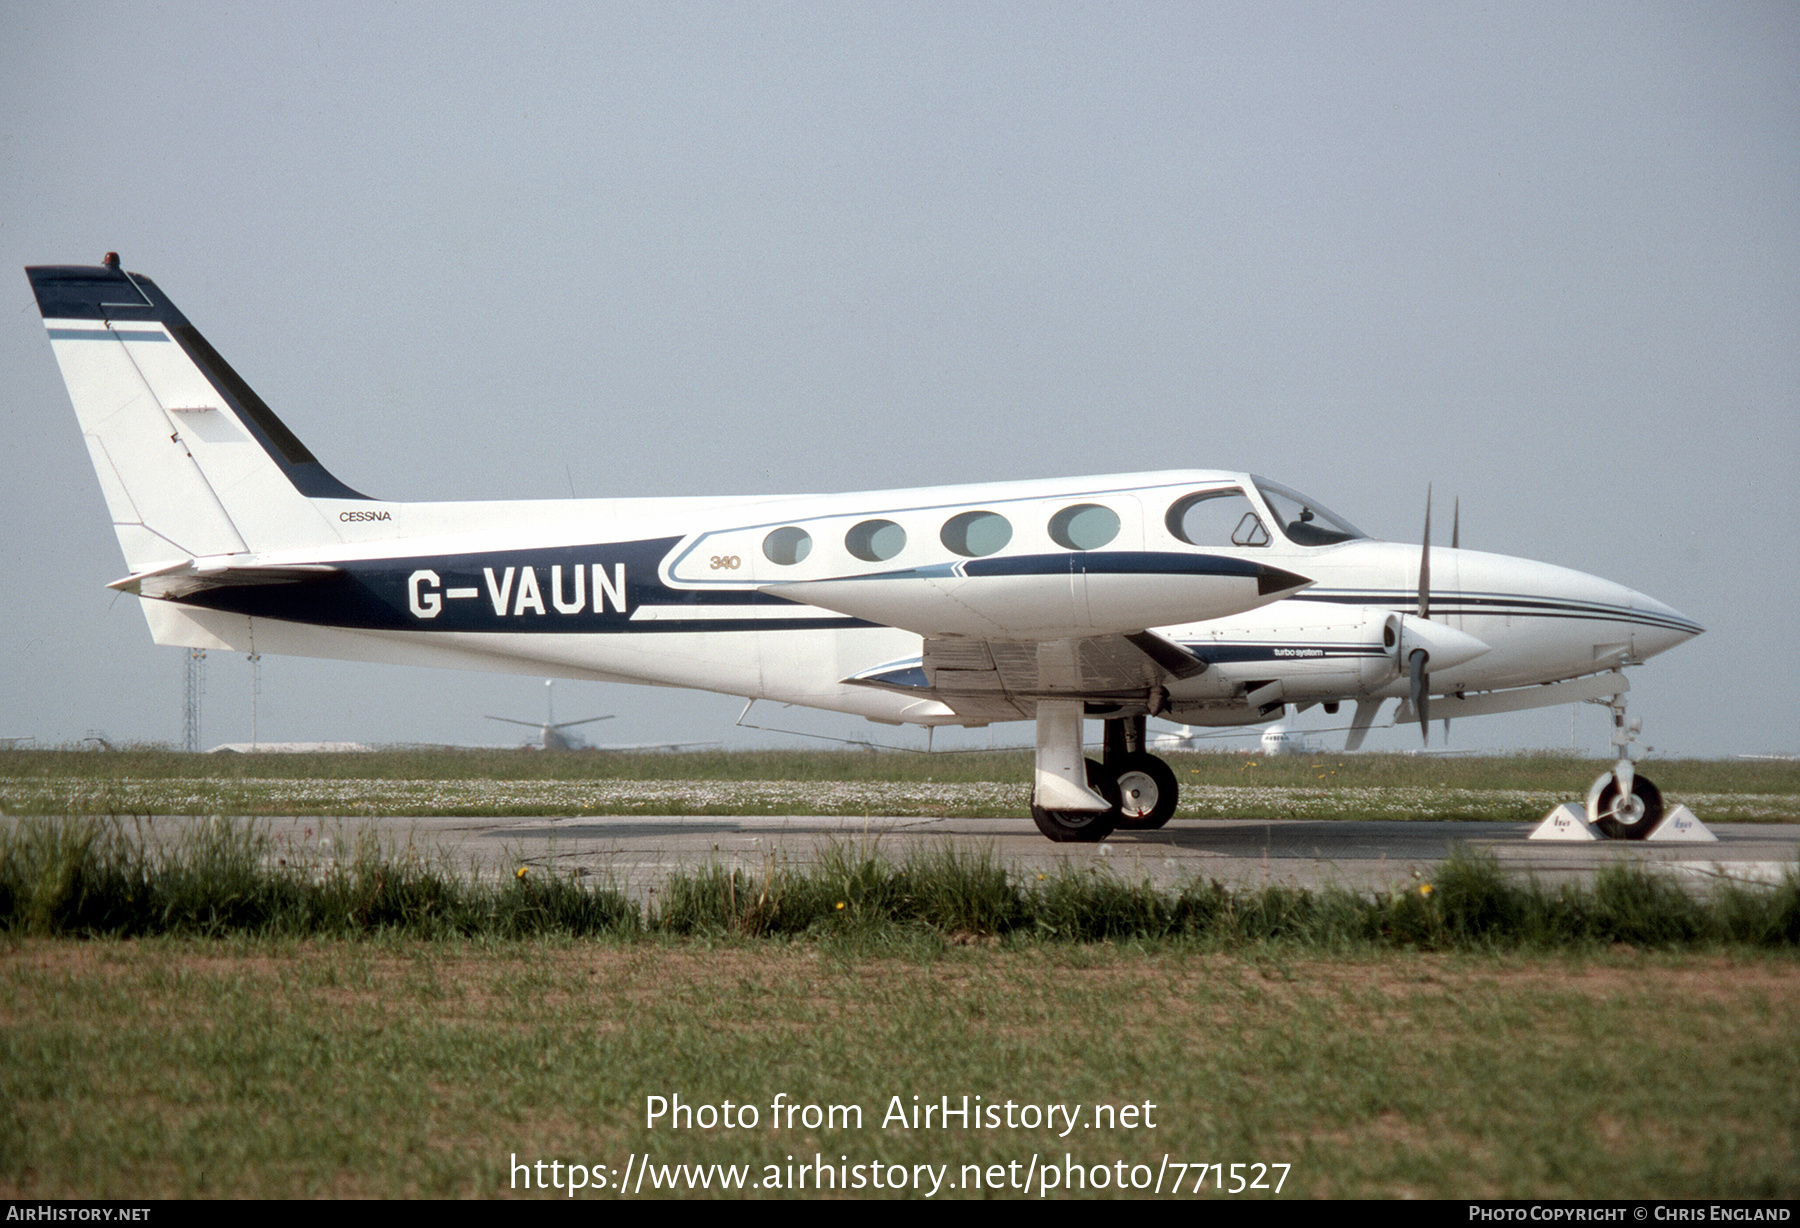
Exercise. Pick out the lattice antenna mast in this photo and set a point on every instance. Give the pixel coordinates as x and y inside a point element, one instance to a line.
<point>255,693</point>
<point>196,687</point>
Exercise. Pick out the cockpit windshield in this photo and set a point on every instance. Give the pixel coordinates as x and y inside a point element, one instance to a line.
<point>1304,522</point>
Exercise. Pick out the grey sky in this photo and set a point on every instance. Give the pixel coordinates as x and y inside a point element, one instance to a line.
<point>1544,257</point>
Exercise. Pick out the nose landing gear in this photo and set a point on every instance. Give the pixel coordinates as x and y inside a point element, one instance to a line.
<point>1623,814</point>
<point>1622,804</point>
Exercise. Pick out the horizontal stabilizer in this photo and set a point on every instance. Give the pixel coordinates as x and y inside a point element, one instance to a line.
<point>541,725</point>
<point>197,576</point>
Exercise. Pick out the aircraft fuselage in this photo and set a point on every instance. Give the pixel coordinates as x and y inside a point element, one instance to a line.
<point>643,592</point>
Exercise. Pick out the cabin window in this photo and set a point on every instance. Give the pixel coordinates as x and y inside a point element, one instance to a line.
<point>1086,526</point>
<point>787,545</point>
<point>976,534</point>
<point>875,541</point>
<point>1216,518</point>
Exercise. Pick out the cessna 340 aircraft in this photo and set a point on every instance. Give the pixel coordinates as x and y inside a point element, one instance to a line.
<point>1210,598</point>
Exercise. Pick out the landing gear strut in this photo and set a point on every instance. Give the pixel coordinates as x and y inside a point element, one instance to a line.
<point>1070,800</point>
<point>1131,789</point>
<point>1146,786</point>
<point>1622,804</point>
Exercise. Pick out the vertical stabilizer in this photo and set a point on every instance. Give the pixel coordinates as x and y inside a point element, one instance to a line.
<point>190,460</point>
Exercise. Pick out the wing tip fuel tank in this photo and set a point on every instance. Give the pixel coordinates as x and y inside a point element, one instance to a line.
<point>1044,597</point>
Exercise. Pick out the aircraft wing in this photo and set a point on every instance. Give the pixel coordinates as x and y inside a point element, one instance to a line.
<point>1003,634</point>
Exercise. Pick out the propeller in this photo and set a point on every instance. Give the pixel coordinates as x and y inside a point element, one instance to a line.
<point>1425,561</point>
<point>1417,659</point>
<point>1453,646</point>
<point>1421,691</point>
<point>1455,544</point>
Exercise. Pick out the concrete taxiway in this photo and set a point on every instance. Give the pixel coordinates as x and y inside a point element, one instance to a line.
<point>638,852</point>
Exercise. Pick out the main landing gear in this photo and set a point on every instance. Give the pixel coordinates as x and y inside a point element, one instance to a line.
<point>1130,789</point>
<point>1622,804</point>
<point>1082,826</point>
<point>1145,785</point>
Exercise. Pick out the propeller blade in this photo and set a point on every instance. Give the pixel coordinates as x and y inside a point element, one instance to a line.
<point>1456,525</point>
<point>1425,561</point>
<point>1421,690</point>
<point>1359,726</point>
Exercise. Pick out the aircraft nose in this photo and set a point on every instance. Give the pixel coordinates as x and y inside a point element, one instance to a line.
<point>1659,627</point>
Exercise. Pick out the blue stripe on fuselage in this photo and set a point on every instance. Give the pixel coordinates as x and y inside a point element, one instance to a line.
<point>1518,605</point>
<point>1077,562</point>
<point>513,591</point>
<point>1226,654</point>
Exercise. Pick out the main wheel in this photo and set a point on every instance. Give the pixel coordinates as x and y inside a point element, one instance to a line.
<point>1630,818</point>
<point>1082,826</point>
<point>1147,792</point>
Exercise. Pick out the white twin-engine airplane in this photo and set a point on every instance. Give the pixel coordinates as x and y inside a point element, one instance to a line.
<point>1209,598</point>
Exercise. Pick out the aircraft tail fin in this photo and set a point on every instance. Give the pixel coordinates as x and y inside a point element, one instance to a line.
<point>192,463</point>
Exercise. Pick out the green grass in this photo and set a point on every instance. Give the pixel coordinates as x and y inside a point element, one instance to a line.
<point>149,781</point>
<point>95,877</point>
<point>209,1021</point>
<point>1536,770</point>
<point>190,1068</point>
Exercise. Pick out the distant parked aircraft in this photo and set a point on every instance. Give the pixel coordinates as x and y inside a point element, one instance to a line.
<point>550,732</point>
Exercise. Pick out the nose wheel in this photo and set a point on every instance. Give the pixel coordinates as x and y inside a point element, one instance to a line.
<point>1630,812</point>
<point>1622,804</point>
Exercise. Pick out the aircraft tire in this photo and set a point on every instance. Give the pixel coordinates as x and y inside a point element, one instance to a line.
<point>1147,790</point>
<point>1082,826</point>
<point>1632,820</point>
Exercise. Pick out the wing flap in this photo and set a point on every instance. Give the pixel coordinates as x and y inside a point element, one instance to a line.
<point>988,680</point>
